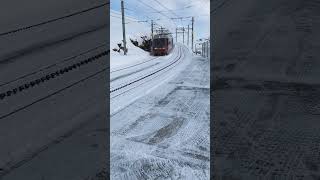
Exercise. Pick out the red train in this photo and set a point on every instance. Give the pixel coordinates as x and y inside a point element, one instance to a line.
<point>162,44</point>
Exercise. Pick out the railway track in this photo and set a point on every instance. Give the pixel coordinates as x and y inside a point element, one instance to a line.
<point>134,65</point>
<point>128,86</point>
<point>135,69</point>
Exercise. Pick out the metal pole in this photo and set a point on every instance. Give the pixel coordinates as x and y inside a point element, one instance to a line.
<point>176,35</point>
<point>152,29</point>
<point>151,44</point>
<point>207,49</point>
<point>202,49</point>
<point>188,37</point>
<point>183,34</point>
<point>192,33</point>
<point>123,29</point>
<point>202,46</point>
<point>205,46</point>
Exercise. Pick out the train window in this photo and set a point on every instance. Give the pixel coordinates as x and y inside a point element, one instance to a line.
<point>159,42</point>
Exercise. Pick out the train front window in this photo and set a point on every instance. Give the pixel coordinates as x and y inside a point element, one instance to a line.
<point>159,43</point>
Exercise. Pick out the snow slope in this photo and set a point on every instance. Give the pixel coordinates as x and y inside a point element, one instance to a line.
<point>134,30</point>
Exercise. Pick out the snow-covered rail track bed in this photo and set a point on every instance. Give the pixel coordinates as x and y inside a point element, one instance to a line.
<point>129,87</point>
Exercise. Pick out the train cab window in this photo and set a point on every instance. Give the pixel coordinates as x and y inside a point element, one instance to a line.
<point>159,42</point>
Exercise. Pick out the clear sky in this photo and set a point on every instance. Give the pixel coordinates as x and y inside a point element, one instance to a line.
<point>149,9</point>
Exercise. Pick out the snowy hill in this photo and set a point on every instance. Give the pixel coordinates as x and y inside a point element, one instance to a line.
<point>134,31</point>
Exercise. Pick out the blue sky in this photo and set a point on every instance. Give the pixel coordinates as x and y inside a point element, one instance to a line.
<point>147,10</point>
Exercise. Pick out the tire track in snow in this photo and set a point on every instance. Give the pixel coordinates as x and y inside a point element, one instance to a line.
<point>52,20</point>
<point>7,58</point>
<point>50,76</point>
<point>52,65</point>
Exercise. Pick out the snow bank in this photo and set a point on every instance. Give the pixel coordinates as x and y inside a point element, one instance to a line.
<point>134,31</point>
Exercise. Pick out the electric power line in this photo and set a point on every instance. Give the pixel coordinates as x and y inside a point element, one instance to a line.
<point>187,7</point>
<point>156,10</point>
<point>166,8</point>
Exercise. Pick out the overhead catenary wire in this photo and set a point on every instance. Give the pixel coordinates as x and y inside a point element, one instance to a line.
<point>187,7</point>
<point>166,8</point>
<point>161,12</point>
<point>156,11</point>
<point>171,14</point>
<point>127,19</point>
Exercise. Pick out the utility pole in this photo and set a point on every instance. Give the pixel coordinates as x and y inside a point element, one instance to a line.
<point>196,48</point>
<point>183,35</point>
<point>202,51</point>
<point>161,30</point>
<point>178,31</point>
<point>176,34</point>
<point>152,29</point>
<point>188,37</point>
<point>123,29</point>
<point>192,33</point>
<point>151,44</point>
<point>207,46</point>
<point>208,49</point>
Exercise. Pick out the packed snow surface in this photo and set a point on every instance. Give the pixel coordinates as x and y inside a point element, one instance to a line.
<point>165,133</point>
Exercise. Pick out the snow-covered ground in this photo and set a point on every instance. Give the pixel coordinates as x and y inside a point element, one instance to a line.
<point>266,90</point>
<point>165,134</point>
<point>124,91</point>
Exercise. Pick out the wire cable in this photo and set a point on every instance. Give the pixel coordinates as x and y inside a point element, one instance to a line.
<point>156,11</point>
<point>166,8</point>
